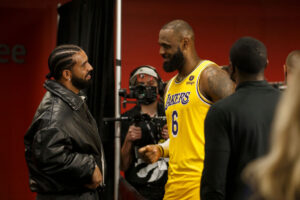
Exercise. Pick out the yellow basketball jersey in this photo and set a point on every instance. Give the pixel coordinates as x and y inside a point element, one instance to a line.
<point>186,109</point>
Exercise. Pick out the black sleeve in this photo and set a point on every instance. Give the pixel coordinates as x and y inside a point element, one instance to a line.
<point>54,155</point>
<point>217,150</point>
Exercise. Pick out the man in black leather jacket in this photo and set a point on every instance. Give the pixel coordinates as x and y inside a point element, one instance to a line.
<point>63,149</point>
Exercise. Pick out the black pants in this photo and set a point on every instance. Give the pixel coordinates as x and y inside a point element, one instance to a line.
<point>93,195</point>
<point>151,192</point>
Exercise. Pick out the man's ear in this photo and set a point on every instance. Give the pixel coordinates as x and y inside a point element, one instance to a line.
<point>285,71</point>
<point>66,74</point>
<point>185,43</point>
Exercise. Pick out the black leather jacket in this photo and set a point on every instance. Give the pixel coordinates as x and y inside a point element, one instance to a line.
<point>62,144</point>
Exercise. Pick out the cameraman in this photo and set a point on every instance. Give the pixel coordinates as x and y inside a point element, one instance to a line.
<point>148,179</point>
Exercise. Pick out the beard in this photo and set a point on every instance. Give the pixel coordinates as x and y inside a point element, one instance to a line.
<point>176,62</point>
<point>80,83</point>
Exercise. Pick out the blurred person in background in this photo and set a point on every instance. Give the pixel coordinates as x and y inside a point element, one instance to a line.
<point>237,127</point>
<point>148,179</point>
<point>291,64</point>
<point>276,176</point>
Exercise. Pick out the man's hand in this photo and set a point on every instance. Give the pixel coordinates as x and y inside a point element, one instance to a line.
<point>150,153</point>
<point>96,179</point>
<point>164,132</point>
<point>134,133</point>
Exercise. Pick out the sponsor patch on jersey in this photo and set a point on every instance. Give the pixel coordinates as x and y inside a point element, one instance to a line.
<point>191,82</point>
<point>183,98</point>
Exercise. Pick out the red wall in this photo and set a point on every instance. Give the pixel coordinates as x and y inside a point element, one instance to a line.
<point>216,24</point>
<point>32,24</point>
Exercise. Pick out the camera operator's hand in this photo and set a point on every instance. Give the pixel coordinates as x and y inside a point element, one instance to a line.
<point>134,133</point>
<point>164,132</point>
<point>150,153</point>
<point>96,179</point>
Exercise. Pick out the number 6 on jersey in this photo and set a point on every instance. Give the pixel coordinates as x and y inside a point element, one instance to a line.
<point>174,123</point>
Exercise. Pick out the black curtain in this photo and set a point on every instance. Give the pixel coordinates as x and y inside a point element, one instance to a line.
<point>90,25</point>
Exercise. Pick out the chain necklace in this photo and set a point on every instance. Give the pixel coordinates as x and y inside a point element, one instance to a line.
<point>179,78</point>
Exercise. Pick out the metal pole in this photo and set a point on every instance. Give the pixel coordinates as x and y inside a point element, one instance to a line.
<point>117,98</point>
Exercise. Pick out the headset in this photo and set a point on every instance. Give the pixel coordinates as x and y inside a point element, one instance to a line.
<point>160,83</point>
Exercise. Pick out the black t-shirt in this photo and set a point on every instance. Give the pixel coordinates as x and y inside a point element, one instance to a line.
<point>236,132</point>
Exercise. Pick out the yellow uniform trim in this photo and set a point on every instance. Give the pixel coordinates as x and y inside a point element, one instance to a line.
<point>201,96</point>
<point>186,109</point>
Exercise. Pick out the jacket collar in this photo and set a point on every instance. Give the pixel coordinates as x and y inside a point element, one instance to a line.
<point>252,84</point>
<point>72,99</point>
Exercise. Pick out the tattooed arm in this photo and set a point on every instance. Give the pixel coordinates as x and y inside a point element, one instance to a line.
<point>215,83</point>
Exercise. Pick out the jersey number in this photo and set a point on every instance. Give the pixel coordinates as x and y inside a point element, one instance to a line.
<point>174,123</point>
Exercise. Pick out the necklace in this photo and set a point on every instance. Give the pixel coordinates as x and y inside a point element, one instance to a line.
<point>180,77</point>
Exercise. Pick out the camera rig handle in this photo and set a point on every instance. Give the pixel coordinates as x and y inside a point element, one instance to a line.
<point>137,118</point>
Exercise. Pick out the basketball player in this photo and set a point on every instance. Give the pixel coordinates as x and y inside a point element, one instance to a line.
<point>189,94</point>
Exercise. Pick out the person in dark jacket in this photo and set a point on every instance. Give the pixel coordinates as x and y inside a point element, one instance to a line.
<point>63,149</point>
<point>237,127</point>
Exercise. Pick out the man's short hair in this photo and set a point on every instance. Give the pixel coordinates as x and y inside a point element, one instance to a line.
<point>248,55</point>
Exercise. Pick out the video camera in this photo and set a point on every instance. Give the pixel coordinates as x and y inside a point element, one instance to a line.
<point>150,131</point>
<point>151,126</point>
<point>143,94</point>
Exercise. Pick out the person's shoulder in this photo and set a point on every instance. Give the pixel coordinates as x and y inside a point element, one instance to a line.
<point>133,111</point>
<point>270,92</point>
<point>276,91</point>
<point>168,82</point>
<point>227,103</point>
<point>51,111</point>
<point>210,67</point>
<point>51,103</point>
<point>161,109</point>
<point>55,109</point>
<point>215,83</point>
<point>273,93</point>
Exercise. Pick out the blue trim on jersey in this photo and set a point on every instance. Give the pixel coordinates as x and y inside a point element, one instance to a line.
<point>198,90</point>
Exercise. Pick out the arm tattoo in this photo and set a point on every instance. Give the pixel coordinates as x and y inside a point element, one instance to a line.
<point>219,84</point>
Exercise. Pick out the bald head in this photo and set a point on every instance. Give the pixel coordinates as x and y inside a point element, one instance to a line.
<point>291,64</point>
<point>181,28</point>
<point>293,59</point>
